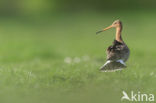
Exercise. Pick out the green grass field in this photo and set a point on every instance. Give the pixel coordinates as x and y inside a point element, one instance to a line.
<point>57,59</point>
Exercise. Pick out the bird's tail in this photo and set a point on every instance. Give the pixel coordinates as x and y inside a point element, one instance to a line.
<point>111,66</point>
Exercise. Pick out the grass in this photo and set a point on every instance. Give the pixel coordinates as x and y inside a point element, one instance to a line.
<point>33,56</point>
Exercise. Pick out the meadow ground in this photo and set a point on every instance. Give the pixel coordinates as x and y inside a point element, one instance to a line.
<point>57,59</point>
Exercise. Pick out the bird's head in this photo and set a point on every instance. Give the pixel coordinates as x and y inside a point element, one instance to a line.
<point>115,24</point>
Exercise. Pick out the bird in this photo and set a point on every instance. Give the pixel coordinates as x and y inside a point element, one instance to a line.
<point>125,96</point>
<point>118,53</point>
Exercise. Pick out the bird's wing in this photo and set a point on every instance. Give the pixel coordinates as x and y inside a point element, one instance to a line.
<point>124,93</point>
<point>116,52</point>
<point>112,66</point>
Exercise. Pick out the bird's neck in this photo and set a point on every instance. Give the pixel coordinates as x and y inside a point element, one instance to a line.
<point>118,34</point>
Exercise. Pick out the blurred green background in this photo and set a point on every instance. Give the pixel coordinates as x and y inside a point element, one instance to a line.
<point>33,7</point>
<point>49,52</point>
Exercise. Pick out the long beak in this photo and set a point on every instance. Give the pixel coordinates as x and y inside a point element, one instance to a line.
<point>104,29</point>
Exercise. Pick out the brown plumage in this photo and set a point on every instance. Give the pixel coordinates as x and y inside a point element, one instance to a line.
<point>118,52</point>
